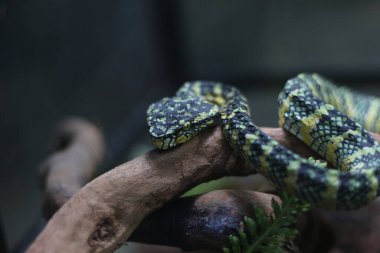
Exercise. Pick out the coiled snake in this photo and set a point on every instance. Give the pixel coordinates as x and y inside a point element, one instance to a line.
<point>324,116</point>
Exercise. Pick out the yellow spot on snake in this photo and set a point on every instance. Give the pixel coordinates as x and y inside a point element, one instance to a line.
<point>283,109</point>
<point>332,147</point>
<point>370,117</point>
<point>290,180</point>
<point>311,121</point>
<point>374,183</point>
<point>217,90</point>
<point>332,184</point>
<point>219,100</point>
<point>186,125</point>
<point>181,139</point>
<point>157,143</point>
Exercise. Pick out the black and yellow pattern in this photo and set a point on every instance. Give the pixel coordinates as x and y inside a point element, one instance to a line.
<point>322,115</point>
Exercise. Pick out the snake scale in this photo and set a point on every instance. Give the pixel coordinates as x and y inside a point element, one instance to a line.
<point>326,117</point>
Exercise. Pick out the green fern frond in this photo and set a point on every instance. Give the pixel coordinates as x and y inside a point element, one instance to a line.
<point>265,234</point>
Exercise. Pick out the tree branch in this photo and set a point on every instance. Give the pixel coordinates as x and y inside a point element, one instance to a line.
<point>104,213</point>
<point>77,150</point>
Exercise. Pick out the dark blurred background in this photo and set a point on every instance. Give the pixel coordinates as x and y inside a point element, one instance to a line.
<point>107,60</point>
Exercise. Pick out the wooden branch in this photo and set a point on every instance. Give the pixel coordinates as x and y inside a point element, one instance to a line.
<point>103,214</point>
<point>78,148</point>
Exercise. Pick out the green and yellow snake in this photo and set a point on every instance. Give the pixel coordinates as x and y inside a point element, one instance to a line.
<point>324,116</point>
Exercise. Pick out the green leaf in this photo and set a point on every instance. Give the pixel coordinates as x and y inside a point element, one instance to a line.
<point>250,225</point>
<point>235,244</point>
<point>243,240</point>
<point>261,218</point>
<point>226,250</point>
<point>265,234</point>
<point>276,208</point>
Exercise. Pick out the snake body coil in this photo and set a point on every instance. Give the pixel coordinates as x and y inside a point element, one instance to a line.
<point>319,113</point>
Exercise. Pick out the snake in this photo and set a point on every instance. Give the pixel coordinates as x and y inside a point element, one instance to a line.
<point>332,120</point>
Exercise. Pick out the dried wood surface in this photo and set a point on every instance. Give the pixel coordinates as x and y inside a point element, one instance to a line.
<point>77,150</point>
<point>103,214</point>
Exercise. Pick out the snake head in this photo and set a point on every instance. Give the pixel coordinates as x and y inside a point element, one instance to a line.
<point>173,121</point>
